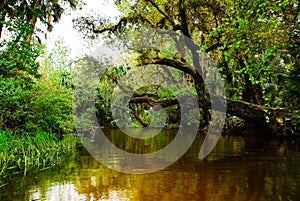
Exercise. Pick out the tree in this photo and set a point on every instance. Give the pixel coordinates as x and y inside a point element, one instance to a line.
<point>29,12</point>
<point>18,61</point>
<point>248,39</point>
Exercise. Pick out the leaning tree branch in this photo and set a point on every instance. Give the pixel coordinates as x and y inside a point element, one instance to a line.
<point>213,47</point>
<point>252,113</point>
<point>164,103</point>
<point>173,63</point>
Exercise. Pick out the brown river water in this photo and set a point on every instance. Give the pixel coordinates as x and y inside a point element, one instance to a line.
<point>238,169</point>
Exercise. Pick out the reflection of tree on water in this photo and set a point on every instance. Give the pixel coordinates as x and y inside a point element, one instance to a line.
<point>221,177</point>
<point>239,168</point>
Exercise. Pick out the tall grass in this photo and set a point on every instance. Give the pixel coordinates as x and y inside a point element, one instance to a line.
<point>20,154</point>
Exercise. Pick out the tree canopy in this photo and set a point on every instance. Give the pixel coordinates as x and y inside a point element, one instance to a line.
<point>253,43</point>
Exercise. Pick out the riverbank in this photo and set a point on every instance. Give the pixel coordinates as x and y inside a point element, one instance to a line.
<point>20,154</point>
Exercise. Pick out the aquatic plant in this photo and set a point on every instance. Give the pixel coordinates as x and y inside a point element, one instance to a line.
<point>32,152</point>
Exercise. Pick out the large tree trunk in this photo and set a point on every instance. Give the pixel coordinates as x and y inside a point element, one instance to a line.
<point>252,92</point>
<point>194,48</point>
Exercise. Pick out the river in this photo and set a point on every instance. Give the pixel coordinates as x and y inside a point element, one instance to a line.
<point>238,169</point>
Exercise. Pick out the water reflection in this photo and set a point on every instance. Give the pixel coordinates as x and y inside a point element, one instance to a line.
<point>238,169</point>
<point>56,192</point>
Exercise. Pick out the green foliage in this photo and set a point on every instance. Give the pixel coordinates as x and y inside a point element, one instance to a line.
<point>59,57</point>
<point>104,93</point>
<point>35,110</point>
<point>29,11</point>
<point>248,36</point>
<point>85,86</point>
<point>20,154</point>
<point>50,107</point>
<point>33,104</point>
<point>292,88</point>
<point>45,106</point>
<point>51,102</point>
<point>18,56</point>
<point>13,106</point>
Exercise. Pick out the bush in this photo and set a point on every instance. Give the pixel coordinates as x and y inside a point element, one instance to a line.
<point>14,103</point>
<point>50,107</point>
<point>44,106</point>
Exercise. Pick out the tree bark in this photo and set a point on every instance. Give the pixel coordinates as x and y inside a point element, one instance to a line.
<point>253,92</point>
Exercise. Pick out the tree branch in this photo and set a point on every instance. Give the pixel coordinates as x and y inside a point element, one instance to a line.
<point>173,63</point>
<point>252,113</point>
<point>213,47</point>
<point>164,103</point>
<point>123,21</point>
<point>184,21</point>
